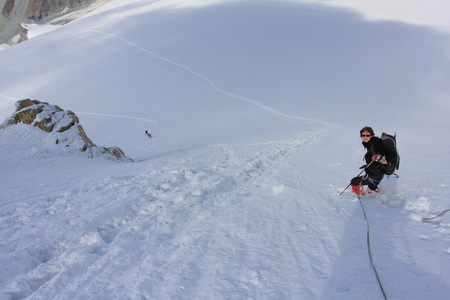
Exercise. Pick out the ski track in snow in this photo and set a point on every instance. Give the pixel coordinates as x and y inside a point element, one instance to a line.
<point>117,116</point>
<point>210,84</point>
<point>150,68</point>
<point>7,97</point>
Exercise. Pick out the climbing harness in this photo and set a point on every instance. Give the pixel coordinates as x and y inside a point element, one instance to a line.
<point>365,167</point>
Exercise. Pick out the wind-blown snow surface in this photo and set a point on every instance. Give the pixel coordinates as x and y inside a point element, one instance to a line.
<point>256,108</point>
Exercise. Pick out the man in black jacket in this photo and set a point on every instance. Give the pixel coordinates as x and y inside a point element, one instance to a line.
<point>376,158</point>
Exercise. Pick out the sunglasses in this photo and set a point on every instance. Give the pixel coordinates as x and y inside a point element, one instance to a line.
<point>366,135</point>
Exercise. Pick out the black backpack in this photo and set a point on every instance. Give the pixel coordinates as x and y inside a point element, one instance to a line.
<point>390,143</point>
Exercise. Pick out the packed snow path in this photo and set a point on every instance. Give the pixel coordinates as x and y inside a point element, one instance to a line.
<point>182,228</point>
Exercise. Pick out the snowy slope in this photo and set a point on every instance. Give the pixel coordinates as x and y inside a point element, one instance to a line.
<point>256,108</point>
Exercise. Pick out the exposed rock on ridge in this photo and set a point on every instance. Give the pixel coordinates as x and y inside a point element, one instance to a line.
<point>16,12</point>
<point>64,127</point>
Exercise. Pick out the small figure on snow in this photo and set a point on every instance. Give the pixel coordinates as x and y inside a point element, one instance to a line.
<point>376,157</point>
<point>148,134</point>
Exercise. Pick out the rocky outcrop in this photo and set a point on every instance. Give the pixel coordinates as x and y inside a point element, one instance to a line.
<point>8,8</point>
<point>63,125</point>
<point>16,12</point>
<point>38,10</point>
<point>23,34</point>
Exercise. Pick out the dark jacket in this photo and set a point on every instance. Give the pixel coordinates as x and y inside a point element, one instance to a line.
<point>375,146</point>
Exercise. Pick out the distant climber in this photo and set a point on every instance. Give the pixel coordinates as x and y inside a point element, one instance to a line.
<point>148,134</point>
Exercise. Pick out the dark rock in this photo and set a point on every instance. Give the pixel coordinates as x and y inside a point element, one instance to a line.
<point>64,124</point>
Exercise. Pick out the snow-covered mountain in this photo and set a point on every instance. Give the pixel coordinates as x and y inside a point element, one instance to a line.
<point>255,108</point>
